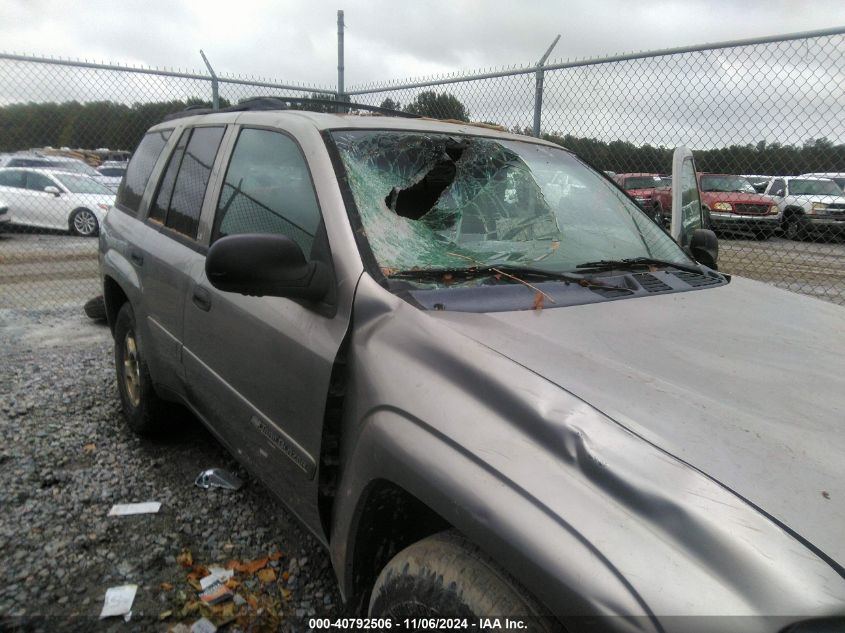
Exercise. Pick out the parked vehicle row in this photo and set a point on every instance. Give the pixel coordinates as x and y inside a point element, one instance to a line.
<point>813,206</point>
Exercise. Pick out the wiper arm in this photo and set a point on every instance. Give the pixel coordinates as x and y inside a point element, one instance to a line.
<point>476,271</point>
<point>636,262</point>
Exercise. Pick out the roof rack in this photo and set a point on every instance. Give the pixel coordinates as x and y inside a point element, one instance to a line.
<point>284,103</point>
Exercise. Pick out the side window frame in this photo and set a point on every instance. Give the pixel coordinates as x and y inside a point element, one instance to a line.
<point>320,249</point>
<point>200,243</point>
<point>143,204</point>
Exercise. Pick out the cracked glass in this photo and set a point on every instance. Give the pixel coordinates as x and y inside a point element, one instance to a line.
<point>440,201</point>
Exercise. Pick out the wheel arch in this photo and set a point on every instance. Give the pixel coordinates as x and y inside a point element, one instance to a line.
<point>114,297</point>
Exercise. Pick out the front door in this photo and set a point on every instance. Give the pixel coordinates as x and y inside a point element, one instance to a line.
<point>258,368</point>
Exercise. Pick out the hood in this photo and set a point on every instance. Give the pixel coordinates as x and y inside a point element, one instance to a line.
<point>745,382</point>
<point>736,197</point>
<point>819,198</point>
<point>640,193</point>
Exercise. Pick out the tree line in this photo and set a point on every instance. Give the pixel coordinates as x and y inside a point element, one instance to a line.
<point>97,124</point>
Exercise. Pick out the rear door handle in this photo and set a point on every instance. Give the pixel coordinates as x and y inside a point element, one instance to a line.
<point>136,257</point>
<point>202,298</point>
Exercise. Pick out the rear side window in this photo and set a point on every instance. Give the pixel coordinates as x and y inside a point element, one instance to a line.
<point>178,202</point>
<point>139,170</point>
<point>268,190</point>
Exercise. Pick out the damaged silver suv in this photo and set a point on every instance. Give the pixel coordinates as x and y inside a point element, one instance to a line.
<point>482,376</point>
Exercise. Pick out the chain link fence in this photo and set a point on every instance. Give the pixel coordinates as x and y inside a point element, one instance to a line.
<point>765,119</point>
<point>59,116</point>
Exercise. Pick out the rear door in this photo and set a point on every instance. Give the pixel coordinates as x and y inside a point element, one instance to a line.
<point>173,247</point>
<point>259,368</point>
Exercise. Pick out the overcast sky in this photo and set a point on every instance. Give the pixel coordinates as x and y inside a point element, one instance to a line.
<point>385,39</point>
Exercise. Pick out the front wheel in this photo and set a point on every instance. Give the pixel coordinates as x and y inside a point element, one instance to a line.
<point>84,223</point>
<point>445,576</point>
<point>793,230</point>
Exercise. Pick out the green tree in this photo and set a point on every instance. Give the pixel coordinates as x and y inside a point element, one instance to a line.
<point>438,106</point>
<point>390,104</point>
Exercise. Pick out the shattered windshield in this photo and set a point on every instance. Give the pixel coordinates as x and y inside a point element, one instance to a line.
<point>439,201</point>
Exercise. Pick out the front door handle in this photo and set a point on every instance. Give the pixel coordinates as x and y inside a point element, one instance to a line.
<point>202,298</point>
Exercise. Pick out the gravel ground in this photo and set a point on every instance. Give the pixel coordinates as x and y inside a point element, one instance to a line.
<point>67,456</point>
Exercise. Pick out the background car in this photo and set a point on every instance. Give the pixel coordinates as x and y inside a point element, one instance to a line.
<point>641,187</point>
<point>836,176</point>
<point>809,206</point>
<point>55,199</point>
<point>111,173</point>
<point>732,205</point>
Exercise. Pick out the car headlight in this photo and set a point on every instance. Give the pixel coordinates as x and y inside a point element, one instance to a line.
<point>723,206</point>
<point>773,209</point>
<point>818,206</point>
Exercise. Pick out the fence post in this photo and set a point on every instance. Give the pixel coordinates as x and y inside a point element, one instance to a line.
<point>539,76</point>
<point>215,99</point>
<point>341,96</point>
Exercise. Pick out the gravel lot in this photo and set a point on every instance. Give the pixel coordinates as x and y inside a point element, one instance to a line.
<point>68,456</point>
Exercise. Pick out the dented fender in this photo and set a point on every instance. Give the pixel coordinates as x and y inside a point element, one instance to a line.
<point>590,517</point>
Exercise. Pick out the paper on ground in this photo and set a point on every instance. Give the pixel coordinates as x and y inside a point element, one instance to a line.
<point>122,509</point>
<point>215,574</point>
<point>203,625</point>
<point>118,600</point>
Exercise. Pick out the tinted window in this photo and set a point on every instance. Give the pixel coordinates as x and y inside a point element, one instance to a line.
<point>12,178</point>
<point>140,168</point>
<point>37,182</point>
<point>777,188</point>
<point>268,190</point>
<point>192,179</point>
<point>82,184</point>
<point>158,210</point>
<point>112,172</point>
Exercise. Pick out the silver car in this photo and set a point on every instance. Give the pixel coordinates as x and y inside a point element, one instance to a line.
<point>486,401</point>
<point>810,206</point>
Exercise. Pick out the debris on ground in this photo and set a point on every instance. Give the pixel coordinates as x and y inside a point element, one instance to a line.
<point>125,509</point>
<point>96,308</point>
<point>218,478</point>
<point>118,601</point>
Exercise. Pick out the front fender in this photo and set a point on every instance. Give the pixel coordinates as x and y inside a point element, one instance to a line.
<point>590,517</point>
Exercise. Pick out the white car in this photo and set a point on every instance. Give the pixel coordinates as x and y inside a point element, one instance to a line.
<point>110,174</point>
<point>836,176</point>
<point>55,199</point>
<point>4,216</point>
<point>809,206</point>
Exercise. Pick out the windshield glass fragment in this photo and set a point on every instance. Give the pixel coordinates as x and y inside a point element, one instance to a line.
<point>432,201</point>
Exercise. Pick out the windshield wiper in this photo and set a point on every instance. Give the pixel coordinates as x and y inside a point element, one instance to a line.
<point>636,262</point>
<point>477,271</point>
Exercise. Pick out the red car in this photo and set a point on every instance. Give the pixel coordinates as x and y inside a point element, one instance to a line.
<point>641,187</point>
<point>732,205</point>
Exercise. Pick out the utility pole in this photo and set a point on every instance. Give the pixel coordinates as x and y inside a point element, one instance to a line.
<point>340,88</point>
<point>539,76</point>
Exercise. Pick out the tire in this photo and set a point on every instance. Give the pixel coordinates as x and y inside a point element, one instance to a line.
<point>792,229</point>
<point>144,411</point>
<point>96,308</point>
<point>84,223</point>
<point>446,576</point>
<point>657,212</point>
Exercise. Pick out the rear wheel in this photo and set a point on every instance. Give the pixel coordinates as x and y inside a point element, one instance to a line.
<point>446,576</point>
<point>83,222</point>
<point>144,411</point>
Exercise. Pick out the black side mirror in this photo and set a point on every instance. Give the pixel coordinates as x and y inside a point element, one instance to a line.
<point>704,247</point>
<point>259,265</point>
